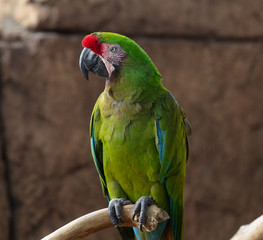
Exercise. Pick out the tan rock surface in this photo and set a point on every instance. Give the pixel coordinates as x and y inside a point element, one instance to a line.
<point>220,87</point>
<point>238,19</point>
<point>5,213</point>
<point>46,109</point>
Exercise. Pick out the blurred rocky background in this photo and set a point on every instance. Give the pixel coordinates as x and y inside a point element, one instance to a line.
<point>210,54</point>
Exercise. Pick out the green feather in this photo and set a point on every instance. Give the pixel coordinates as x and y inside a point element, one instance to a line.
<point>139,136</point>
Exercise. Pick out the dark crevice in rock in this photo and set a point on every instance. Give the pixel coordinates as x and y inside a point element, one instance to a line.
<point>4,158</point>
<point>205,37</point>
<point>194,37</point>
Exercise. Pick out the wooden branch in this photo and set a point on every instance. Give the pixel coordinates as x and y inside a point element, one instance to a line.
<point>252,231</point>
<point>99,220</point>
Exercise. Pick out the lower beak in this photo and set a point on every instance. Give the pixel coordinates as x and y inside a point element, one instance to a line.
<point>90,61</point>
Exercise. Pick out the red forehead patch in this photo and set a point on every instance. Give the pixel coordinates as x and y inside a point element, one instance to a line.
<point>93,43</point>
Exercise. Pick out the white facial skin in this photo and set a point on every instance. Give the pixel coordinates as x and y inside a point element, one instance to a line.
<point>112,54</point>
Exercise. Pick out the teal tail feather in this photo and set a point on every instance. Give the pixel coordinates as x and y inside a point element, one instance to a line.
<point>154,235</point>
<point>177,219</point>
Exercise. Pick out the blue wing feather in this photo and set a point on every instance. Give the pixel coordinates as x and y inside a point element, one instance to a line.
<point>96,150</point>
<point>173,150</point>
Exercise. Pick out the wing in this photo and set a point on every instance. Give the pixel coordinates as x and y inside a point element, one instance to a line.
<point>97,146</point>
<point>172,128</point>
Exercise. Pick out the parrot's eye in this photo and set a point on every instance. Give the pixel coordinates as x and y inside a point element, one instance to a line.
<point>113,49</point>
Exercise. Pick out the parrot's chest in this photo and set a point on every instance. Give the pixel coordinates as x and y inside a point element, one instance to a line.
<point>130,155</point>
<point>124,123</point>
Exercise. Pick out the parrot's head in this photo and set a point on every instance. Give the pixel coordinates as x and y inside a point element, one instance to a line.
<point>115,56</point>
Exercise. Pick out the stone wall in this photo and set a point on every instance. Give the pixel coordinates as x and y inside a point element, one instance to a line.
<point>238,18</point>
<point>4,204</point>
<point>210,57</point>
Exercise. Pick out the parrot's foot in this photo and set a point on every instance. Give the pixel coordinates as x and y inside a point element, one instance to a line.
<point>141,206</point>
<point>114,210</point>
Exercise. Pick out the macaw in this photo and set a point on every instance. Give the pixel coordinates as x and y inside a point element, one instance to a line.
<point>139,135</point>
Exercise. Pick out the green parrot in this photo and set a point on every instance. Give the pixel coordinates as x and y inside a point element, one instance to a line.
<point>139,135</point>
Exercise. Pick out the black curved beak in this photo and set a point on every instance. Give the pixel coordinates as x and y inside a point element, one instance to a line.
<point>90,61</point>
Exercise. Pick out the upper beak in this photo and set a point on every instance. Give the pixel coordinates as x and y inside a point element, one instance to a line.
<point>90,61</point>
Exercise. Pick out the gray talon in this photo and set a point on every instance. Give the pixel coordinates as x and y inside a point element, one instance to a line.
<point>141,206</point>
<point>114,210</point>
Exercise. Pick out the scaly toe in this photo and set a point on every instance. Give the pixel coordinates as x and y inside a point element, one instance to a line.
<point>141,206</point>
<point>114,210</point>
